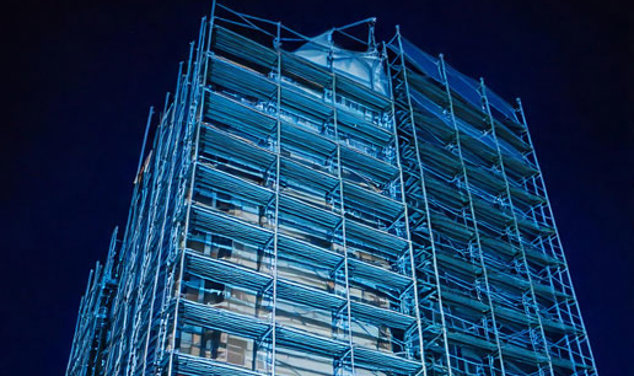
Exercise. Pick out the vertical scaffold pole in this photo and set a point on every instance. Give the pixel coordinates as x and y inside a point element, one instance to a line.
<point>278,162</point>
<point>131,218</point>
<point>180,266</point>
<point>148,123</point>
<point>172,156</point>
<point>342,209</point>
<point>408,229</point>
<point>163,152</point>
<point>520,109</point>
<point>421,169</point>
<point>516,228</point>
<point>170,278</point>
<point>443,75</point>
<point>145,257</point>
<point>162,333</point>
<point>129,252</point>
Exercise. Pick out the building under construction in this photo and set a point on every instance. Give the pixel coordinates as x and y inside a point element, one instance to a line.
<point>331,205</point>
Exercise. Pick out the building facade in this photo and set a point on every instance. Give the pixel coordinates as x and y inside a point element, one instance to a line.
<point>331,205</point>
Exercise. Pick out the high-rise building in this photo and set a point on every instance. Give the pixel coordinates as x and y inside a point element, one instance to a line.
<point>332,205</point>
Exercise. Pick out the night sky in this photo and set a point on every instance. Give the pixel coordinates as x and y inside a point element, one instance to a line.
<point>82,75</point>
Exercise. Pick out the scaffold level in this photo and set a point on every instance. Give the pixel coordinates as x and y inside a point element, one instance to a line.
<point>331,205</point>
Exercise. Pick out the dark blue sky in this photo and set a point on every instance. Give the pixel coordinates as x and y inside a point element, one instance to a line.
<point>81,77</point>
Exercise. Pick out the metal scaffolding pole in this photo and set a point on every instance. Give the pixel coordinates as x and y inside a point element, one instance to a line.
<point>178,283</point>
<point>342,211</point>
<point>163,163</point>
<point>165,296</point>
<point>432,242</point>
<point>410,247</point>
<point>535,309</point>
<point>278,156</point>
<point>443,74</point>
<point>561,254</point>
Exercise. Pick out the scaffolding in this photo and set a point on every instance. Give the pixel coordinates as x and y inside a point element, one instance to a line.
<point>332,205</point>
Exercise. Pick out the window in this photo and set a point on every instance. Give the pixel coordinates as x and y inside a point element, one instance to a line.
<point>236,349</point>
<point>214,292</point>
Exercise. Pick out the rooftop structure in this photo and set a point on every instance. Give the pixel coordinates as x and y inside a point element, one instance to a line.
<point>332,205</point>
